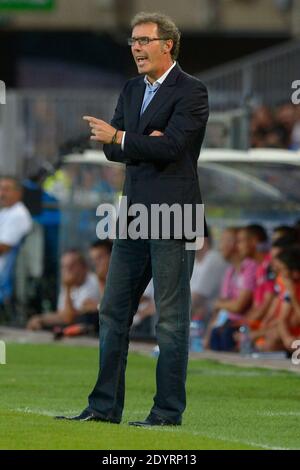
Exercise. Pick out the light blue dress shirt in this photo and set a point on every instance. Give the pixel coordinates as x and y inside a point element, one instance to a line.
<point>150,91</point>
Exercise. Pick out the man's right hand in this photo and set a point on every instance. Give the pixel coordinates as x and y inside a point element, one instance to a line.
<point>35,323</point>
<point>156,134</point>
<point>67,281</point>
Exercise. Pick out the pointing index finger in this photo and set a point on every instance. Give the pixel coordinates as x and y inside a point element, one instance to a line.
<point>90,119</point>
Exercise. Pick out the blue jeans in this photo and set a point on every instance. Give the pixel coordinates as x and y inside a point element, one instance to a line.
<point>133,263</point>
<point>222,338</point>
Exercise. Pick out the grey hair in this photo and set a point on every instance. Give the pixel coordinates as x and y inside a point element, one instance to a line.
<point>166,27</point>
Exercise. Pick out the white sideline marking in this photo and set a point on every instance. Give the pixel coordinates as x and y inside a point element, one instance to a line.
<point>229,440</point>
<point>249,443</point>
<point>42,412</point>
<point>175,430</point>
<point>2,353</point>
<point>242,373</point>
<point>279,413</point>
<point>67,413</point>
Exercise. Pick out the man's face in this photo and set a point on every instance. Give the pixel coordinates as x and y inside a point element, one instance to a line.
<point>100,258</point>
<point>246,244</point>
<point>291,274</point>
<point>152,57</point>
<point>282,269</point>
<point>275,251</point>
<point>72,269</point>
<point>277,234</point>
<point>227,244</point>
<point>295,275</point>
<point>9,193</point>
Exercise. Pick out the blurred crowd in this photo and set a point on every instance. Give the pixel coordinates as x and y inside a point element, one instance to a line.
<point>258,302</point>
<point>82,285</point>
<point>245,292</point>
<point>276,128</point>
<point>83,278</point>
<point>15,225</point>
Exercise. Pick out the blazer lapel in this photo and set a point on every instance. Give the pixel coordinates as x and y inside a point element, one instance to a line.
<point>137,101</point>
<point>161,96</point>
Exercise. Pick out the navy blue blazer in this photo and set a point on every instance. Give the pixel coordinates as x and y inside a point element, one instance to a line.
<point>161,169</point>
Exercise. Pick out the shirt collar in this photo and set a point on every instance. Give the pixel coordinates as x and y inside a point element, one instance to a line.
<point>161,79</point>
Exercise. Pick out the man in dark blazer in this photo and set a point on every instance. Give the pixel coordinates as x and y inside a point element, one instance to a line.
<point>157,131</point>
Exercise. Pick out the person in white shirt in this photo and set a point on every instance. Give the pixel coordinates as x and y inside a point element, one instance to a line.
<point>79,288</point>
<point>99,255</point>
<point>147,306</point>
<point>88,323</point>
<point>15,222</point>
<point>208,272</point>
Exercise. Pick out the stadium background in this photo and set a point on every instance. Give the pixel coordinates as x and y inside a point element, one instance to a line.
<point>60,59</point>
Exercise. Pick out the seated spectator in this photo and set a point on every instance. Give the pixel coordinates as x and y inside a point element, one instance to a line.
<point>278,246</point>
<point>286,328</point>
<point>277,128</point>
<point>99,254</point>
<point>262,124</point>
<point>297,227</point>
<point>285,119</point>
<point>146,307</point>
<point>269,321</point>
<point>15,224</point>
<point>228,248</point>
<point>208,272</point>
<point>238,288</point>
<point>283,231</point>
<point>264,281</point>
<point>289,318</point>
<point>274,139</point>
<point>295,136</point>
<point>79,288</point>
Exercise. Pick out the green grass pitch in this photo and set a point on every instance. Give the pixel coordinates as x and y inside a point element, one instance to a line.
<point>228,407</point>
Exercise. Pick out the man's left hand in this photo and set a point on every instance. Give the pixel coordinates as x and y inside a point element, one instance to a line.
<point>101,130</point>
